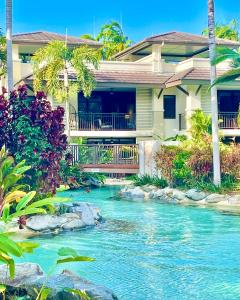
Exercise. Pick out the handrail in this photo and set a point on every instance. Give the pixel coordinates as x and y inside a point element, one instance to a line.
<point>228,120</point>
<point>104,154</point>
<point>102,121</point>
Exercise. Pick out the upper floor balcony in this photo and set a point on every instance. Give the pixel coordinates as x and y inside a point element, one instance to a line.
<point>103,121</point>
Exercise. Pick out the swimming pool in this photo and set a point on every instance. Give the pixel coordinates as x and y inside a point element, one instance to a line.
<point>150,250</point>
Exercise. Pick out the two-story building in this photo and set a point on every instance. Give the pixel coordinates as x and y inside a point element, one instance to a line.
<point>149,91</point>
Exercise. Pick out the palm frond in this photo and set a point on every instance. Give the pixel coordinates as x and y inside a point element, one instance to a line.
<point>228,76</point>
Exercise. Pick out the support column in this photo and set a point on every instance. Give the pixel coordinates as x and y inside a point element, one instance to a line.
<point>193,102</point>
<point>147,162</point>
<point>158,112</point>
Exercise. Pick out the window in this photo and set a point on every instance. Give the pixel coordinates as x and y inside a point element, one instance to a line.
<point>169,105</point>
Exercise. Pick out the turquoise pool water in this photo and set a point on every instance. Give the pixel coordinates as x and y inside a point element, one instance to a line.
<point>151,251</point>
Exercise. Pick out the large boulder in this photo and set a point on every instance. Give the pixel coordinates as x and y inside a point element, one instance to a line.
<point>29,276</point>
<point>215,198</point>
<point>75,215</point>
<point>178,195</point>
<point>195,195</point>
<point>137,192</point>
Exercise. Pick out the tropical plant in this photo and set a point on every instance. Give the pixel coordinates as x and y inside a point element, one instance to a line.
<point>16,202</point>
<point>87,36</point>
<point>229,31</point>
<point>112,37</point>
<point>214,104</point>
<point>9,44</point>
<point>52,66</point>
<point>201,125</point>
<point>147,179</point>
<point>36,135</point>
<point>231,55</point>
<point>5,119</point>
<point>3,55</point>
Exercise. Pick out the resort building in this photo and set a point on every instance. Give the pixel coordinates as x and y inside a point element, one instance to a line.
<point>148,92</point>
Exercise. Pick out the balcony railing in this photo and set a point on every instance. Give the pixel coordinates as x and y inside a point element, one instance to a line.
<point>105,154</point>
<point>102,121</point>
<point>228,120</point>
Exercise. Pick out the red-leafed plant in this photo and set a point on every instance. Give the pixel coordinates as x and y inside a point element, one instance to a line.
<point>36,135</point>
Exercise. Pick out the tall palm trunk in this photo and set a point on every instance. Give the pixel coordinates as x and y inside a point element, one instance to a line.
<point>9,44</point>
<point>67,110</point>
<point>214,103</point>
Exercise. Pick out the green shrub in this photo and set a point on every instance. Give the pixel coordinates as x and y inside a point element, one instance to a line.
<point>146,179</point>
<point>181,172</point>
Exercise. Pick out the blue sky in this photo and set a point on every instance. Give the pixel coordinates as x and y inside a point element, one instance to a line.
<point>139,18</point>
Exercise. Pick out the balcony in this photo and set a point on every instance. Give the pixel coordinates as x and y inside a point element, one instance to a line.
<point>103,121</point>
<point>228,120</point>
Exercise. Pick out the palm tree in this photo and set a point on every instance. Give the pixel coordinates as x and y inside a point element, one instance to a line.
<point>52,65</point>
<point>214,104</point>
<point>233,56</point>
<point>227,31</point>
<point>9,43</point>
<point>112,38</point>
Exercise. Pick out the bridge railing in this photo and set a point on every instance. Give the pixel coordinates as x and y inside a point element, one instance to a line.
<point>105,154</point>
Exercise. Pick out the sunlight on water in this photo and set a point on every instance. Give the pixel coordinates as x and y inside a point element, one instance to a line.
<point>150,251</point>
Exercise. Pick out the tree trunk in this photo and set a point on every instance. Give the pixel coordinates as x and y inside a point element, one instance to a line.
<point>9,44</point>
<point>214,102</point>
<point>67,110</point>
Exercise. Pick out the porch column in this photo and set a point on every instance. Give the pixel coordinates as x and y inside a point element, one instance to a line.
<point>193,102</point>
<point>158,114</point>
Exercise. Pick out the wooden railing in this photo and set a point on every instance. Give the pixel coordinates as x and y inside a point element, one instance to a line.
<point>102,121</point>
<point>101,154</point>
<point>228,120</point>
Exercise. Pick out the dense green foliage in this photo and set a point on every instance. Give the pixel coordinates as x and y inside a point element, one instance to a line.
<point>228,31</point>
<point>112,38</point>
<point>34,132</point>
<point>16,201</point>
<point>190,163</point>
<point>146,179</point>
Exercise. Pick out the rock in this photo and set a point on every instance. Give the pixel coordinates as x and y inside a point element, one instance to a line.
<point>30,276</point>
<point>159,193</point>
<point>137,192</point>
<point>215,198</point>
<point>195,195</point>
<point>78,215</point>
<point>93,182</point>
<point>149,188</point>
<point>179,195</point>
<point>50,222</point>
<point>168,191</point>
<point>89,214</point>
<point>27,272</point>
<point>234,200</point>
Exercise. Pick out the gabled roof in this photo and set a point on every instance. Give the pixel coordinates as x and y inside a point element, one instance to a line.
<point>150,79</point>
<point>44,37</point>
<point>186,38</point>
<point>190,75</point>
<point>130,77</point>
<point>176,38</point>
